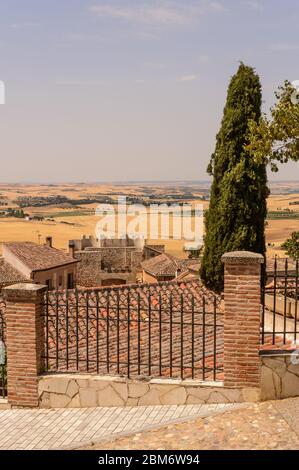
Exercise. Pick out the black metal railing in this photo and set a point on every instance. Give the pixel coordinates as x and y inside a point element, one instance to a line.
<point>280,302</point>
<point>3,374</point>
<point>154,332</point>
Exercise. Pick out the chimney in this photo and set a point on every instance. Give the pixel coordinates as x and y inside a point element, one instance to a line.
<point>49,241</point>
<point>72,249</point>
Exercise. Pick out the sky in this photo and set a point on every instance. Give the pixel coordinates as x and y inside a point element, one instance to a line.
<point>123,90</point>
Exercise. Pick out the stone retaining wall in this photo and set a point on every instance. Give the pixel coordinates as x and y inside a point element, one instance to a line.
<point>4,405</point>
<point>86,390</point>
<point>279,376</point>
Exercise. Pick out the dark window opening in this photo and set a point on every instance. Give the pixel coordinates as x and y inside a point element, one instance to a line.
<point>70,281</point>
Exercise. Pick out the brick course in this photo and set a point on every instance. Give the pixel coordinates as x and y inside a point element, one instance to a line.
<point>25,342</point>
<point>242,295</point>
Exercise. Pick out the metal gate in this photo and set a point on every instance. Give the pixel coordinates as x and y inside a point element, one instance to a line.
<point>280,303</point>
<point>165,331</point>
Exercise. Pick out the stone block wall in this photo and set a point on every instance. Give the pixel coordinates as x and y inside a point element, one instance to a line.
<point>116,257</point>
<point>86,390</point>
<point>122,257</point>
<point>136,259</point>
<point>123,262</point>
<point>279,376</point>
<point>89,268</point>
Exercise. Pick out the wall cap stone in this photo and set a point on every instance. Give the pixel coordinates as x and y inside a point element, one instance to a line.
<point>242,257</point>
<point>166,381</point>
<point>23,291</point>
<point>75,376</point>
<point>265,354</point>
<point>4,405</point>
<point>118,379</point>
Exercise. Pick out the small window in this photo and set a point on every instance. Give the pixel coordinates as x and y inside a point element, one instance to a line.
<point>49,284</point>
<point>70,281</point>
<point>60,281</point>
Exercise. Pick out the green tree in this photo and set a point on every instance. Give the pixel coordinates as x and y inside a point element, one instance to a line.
<point>291,246</point>
<point>275,139</point>
<point>236,216</point>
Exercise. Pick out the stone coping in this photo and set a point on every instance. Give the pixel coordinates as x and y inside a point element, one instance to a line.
<point>88,390</point>
<point>4,405</point>
<point>143,380</point>
<point>22,292</point>
<point>25,286</point>
<point>242,257</point>
<point>276,352</point>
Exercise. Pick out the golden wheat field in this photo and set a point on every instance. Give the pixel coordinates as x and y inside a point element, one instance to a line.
<point>72,221</point>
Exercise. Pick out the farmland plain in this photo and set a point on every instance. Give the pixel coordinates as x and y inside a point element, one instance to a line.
<point>75,214</point>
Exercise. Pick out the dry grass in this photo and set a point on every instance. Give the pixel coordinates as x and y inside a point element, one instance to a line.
<point>66,227</point>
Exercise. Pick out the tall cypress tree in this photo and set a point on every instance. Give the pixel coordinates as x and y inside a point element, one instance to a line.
<point>236,216</point>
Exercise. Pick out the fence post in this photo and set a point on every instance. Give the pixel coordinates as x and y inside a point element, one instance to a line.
<point>24,342</point>
<point>242,298</point>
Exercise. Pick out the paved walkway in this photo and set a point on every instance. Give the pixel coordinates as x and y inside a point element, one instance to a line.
<point>73,428</point>
<point>263,426</point>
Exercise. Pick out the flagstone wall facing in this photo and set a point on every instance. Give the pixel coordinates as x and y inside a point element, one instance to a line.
<point>86,390</point>
<point>279,376</point>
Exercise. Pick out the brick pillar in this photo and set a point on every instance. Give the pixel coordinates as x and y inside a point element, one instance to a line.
<point>24,341</point>
<point>242,297</point>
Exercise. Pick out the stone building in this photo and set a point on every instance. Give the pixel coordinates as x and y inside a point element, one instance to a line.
<point>151,251</point>
<point>106,262</point>
<point>42,264</point>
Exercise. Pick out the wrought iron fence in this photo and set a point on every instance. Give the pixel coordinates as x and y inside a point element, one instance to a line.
<point>280,303</point>
<point>153,332</point>
<point>3,377</point>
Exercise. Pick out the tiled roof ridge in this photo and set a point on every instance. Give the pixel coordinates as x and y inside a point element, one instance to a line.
<point>152,265</point>
<point>145,284</point>
<point>166,289</point>
<point>154,248</point>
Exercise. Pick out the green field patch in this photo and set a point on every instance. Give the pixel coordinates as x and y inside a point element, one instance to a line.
<point>279,215</point>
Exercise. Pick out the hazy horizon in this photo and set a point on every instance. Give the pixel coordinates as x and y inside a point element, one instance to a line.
<point>118,90</point>
<point>129,182</point>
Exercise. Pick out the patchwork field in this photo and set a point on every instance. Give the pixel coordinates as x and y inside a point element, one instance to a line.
<point>74,213</point>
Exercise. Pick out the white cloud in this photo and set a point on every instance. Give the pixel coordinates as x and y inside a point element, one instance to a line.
<point>216,6</point>
<point>187,78</point>
<point>24,25</point>
<point>284,47</point>
<point>145,14</point>
<point>254,5</point>
<point>161,12</point>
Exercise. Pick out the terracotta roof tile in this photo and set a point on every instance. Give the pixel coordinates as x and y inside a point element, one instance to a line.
<point>165,305</point>
<point>39,257</point>
<point>166,265</point>
<point>8,274</point>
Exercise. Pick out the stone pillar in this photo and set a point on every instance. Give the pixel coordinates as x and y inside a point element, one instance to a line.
<point>25,342</point>
<point>242,297</point>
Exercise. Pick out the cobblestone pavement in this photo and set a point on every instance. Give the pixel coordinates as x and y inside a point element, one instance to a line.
<point>72,428</point>
<point>268,426</point>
